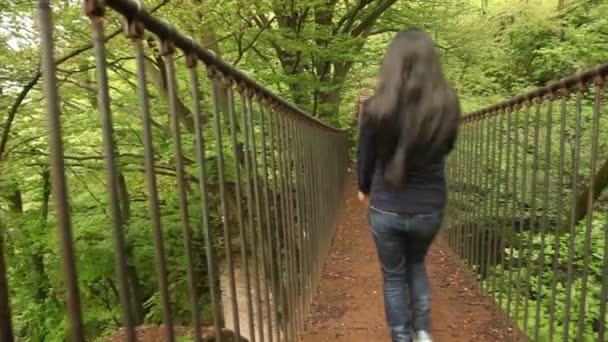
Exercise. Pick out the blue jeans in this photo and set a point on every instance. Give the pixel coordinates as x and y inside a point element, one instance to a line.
<point>402,242</point>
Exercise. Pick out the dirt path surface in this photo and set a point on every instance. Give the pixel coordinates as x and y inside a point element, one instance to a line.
<point>349,304</point>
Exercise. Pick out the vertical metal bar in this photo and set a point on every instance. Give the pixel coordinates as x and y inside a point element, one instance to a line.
<point>477,181</point>
<point>459,161</point>
<point>293,212</point>
<point>279,223</point>
<point>290,222</point>
<point>464,176</point>
<point>477,145</point>
<point>461,186</point>
<point>467,195</point>
<point>313,213</point>
<point>254,208</point>
<point>322,200</point>
<point>473,225</point>
<point>504,208</point>
<point>300,178</point>
<point>300,222</point>
<point>307,214</point>
<point>292,219</point>
<point>595,127</point>
<point>486,201</point>
<point>320,206</point>
<point>572,220</point>
<point>483,209</point>
<point>560,208</point>
<point>472,181</point>
<point>273,241</point>
<point>513,236</point>
<point>322,149</point>
<point>202,179</point>
<point>455,194</point>
<point>447,233</point>
<point>136,33</point>
<point>310,210</point>
<point>521,208</point>
<point>597,107</point>
<point>315,206</point>
<point>604,292</point>
<point>533,209</point>
<point>300,205</point>
<point>250,145</point>
<point>6,328</point>
<point>466,141</point>
<point>167,52</point>
<point>484,173</point>
<point>297,219</point>
<point>494,201</point>
<point>327,199</point>
<point>545,223</point>
<point>60,189</point>
<point>287,215</point>
<point>451,213</point>
<point>456,191</point>
<point>223,207</point>
<point>239,208</point>
<point>297,180</point>
<point>280,212</point>
<point>95,13</point>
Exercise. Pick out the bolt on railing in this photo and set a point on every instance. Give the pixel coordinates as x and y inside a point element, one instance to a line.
<point>288,170</point>
<point>528,206</point>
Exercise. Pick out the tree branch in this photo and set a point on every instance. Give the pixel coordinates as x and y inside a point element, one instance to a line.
<point>156,77</point>
<point>350,16</point>
<point>38,74</point>
<point>370,19</point>
<point>13,111</point>
<point>582,202</point>
<point>384,30</point>
<point>252,42</point>
<point>101,157</point>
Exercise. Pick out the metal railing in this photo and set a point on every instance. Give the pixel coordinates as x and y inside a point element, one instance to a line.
<point>288,173</point>
<point>528,206</point>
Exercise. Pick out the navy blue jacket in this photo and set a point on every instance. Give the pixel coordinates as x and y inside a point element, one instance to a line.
<point>424,190</point>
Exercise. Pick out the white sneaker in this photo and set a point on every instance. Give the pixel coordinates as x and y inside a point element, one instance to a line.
<point>423,336</point>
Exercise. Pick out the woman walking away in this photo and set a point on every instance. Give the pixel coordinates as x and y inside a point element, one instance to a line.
<point>408,127</point>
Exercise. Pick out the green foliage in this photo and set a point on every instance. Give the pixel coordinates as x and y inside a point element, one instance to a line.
<point>316,53</point>
<point>553,277</point>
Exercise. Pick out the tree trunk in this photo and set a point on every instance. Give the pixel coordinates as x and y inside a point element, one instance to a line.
<point>582,203</point>
<point>332,98</point>
<point>157,76</point>
<point>37,258</point>
<point>15,201</point>
<point>6,331</point>
<point>139,296</point>
<point>561,4</point>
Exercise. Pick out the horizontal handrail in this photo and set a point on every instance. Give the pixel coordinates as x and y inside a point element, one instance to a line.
<point>133,10</point>
<point>563,86</point>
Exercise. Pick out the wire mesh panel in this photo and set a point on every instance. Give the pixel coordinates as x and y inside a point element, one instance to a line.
<point>528,206</point>
<point>239,215</point>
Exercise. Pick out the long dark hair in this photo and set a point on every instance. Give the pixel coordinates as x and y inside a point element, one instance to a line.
<point>414,108</point>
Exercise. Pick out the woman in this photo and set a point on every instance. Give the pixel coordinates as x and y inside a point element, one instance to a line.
<point>408,127</point>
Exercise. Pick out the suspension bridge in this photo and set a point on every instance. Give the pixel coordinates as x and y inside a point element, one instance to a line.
<point>517,257</point>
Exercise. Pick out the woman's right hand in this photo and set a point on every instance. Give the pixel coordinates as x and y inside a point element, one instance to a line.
<point>361,196</point>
